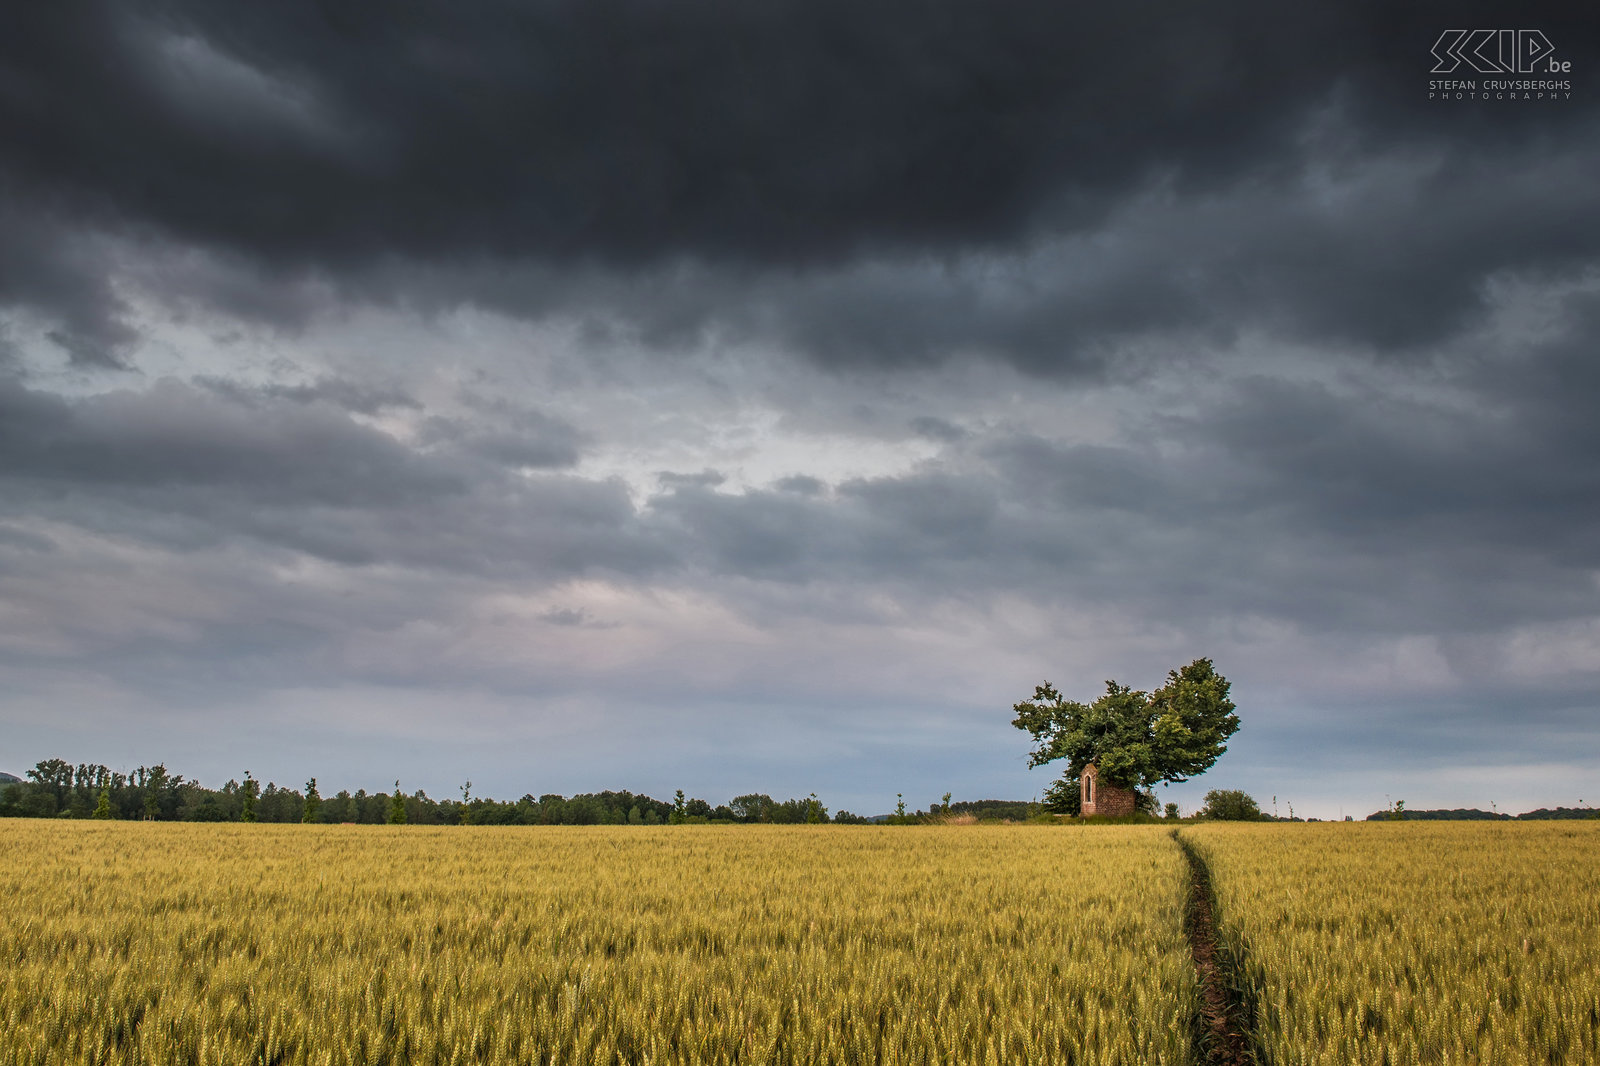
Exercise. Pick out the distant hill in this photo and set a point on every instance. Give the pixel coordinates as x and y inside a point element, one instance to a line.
<point>9,779</point>
<point>1472,814</point>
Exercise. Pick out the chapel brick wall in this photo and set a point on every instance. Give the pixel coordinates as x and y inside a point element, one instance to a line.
<point>1109,800</point>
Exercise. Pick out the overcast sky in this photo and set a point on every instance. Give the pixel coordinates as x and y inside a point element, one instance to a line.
<point>739,396</point>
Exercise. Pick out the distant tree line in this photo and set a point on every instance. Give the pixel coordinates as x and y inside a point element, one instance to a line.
<point>1473,814</point>
<point>993,810</point>
<point>56,788</point>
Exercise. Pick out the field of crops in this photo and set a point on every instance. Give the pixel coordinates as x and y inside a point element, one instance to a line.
<point>1383,943</point>
<point>1415,942</point>
<point>234,944</point>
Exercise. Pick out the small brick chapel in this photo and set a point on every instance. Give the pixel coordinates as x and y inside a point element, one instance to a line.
<point>1102,797</point>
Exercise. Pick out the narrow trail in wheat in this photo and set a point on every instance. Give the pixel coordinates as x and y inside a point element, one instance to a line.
<point>1224,1011</point>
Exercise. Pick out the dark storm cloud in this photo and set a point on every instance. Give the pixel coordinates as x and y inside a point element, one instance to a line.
<point>183,468</point>
<point>1392,255</point>
<point>49,268</point>
<point>777,151</point>
<point>1460,499</point>
<point>170,435</point>
<point>622,130</point>
<point>1457,502</point>
<point>1468,514</point>
<point>1358,329</point>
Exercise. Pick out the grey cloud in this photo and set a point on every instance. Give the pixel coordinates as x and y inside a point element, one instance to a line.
<point>186,468</point>
<point>350,395</point>
<point>564,616</point>
<point>58,272</point>
<point>543,529</point>
<point>172,434</point>
<point>758,534</point>
<point>855,186</point>
<point>1387,254</point>
<point>1503,455</point>
<point>1395,254</point>
<point>1454,500</point>
<point>526,438</point>
<point>937,429</point>
<point>554,450</point>
<point>705,479</point>
<point>1460,502</point>
<point>801,484</point>
<point>1124,204</point>
<point>575,618</point>
<point>24,540</point>
<point>871,530</point>
<point>629,132</point>
<point>932,514</point>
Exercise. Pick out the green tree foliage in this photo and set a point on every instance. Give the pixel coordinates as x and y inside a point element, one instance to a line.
<point>753,807</point>
<point>1065,796</point>
<point>397,806</point>
<point>155,781</point>
<point>279,804</point>
<point>54,780</point>
<point>58,788</point>
<point>313,803</point>
<point>997,810</point>
<point>102,808</point>
<point>1136,738</point>
<point>759,807</point>
<point>247,794</point>
<point>1230,805</point>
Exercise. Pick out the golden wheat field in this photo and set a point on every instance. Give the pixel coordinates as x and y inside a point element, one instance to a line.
<point>235,944</point>
<point>1415,942</point>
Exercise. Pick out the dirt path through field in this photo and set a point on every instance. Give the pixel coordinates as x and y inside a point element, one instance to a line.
<point>1225,1014</point>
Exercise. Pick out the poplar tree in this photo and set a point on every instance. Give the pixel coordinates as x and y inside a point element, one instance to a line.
<point>155,779</point>
<point>249,790</point>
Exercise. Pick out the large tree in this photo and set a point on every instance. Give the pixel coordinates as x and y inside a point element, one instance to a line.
<point>1135,738</point>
